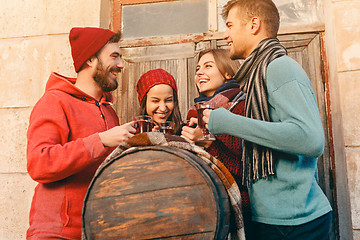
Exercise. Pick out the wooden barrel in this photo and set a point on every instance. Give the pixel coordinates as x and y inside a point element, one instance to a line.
<point>156,192</point>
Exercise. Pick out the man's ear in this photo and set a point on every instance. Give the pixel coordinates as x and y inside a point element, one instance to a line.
<point>255,25</point>
<point>92,61</point>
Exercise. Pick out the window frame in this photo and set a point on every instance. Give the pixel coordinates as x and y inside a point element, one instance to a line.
<point>183,38</point>
<point>117,18</point>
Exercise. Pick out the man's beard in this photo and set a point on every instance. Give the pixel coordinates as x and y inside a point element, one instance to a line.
<point>102,77</point>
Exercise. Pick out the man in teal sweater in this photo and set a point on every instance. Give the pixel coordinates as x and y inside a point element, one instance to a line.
<point>282,131</point>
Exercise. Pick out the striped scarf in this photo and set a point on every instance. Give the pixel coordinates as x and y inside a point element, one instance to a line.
<point>258,161</point>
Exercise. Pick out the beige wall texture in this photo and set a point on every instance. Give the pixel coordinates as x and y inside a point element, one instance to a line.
<point>34,42</point>
<point>346,38</point>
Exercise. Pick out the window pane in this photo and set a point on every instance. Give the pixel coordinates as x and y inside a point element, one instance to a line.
<point>165,18</point>
<point>292,12</point>
<point>299,12</point>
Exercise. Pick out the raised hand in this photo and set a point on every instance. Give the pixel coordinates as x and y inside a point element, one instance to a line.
<point>116,135</point>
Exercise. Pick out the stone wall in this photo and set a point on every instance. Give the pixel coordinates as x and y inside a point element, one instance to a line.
<point>346,18</point>
<point>33,43</point>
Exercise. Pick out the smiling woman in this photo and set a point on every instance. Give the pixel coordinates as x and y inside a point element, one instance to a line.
<point>213,79</point>
<point>157,94</point>
<point>160,102</point>
<point>208,77</point>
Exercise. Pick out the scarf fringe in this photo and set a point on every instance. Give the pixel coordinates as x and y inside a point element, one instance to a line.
<point>258,161</point>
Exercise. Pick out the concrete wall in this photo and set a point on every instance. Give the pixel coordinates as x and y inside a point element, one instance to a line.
<point>344,17</point>
<point>34,42</point>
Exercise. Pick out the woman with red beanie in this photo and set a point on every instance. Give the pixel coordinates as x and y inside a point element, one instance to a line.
<point>157,94</point>
<point>213,79</point>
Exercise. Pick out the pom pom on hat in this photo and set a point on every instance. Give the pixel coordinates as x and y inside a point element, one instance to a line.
<point>85,42</point>
<point>152,78</point>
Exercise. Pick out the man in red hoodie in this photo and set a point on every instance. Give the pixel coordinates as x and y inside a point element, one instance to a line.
<point>72,129</point>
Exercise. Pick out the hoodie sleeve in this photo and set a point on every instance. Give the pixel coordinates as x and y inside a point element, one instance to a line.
<point>51,156</point>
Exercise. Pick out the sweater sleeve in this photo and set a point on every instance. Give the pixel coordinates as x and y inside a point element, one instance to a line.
<point>229,143</point>
<point>296,126</point>
<point>50,155</point>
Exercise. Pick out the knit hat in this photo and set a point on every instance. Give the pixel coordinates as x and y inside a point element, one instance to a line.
<point>152,78</point>
<point>85,42</point>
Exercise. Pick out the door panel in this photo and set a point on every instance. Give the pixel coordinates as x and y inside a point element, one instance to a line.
<point>180,61</point>
<point>175,59</point>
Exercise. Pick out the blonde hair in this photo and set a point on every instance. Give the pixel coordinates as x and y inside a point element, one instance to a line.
<point>266,10</point>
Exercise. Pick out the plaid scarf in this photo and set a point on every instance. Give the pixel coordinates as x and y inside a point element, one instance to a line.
<point>227,96</point>
<point>231,84</point>
<point>258,161</point>
<point>160,139</point>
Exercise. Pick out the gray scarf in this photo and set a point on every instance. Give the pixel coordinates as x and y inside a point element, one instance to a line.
<point>258,161</point>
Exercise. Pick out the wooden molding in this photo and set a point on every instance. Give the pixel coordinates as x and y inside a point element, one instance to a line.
<point>134,2</point>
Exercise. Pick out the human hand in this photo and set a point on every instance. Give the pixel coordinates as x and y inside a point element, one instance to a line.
<point>206,116</point>
<point>156,128</point>
<point>116,135</point>
<point>191,132</point>
<point>192,122</point>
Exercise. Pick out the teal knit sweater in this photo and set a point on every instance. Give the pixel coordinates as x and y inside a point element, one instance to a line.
<point>296,134</point>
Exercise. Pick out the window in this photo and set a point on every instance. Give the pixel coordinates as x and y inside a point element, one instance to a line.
<point>165,18</point>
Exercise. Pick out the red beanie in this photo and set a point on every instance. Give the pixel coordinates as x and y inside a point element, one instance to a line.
<point>85,42</point>
<point>152,78</point>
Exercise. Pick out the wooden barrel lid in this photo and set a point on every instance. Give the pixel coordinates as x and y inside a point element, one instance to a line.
<point>156,192</point>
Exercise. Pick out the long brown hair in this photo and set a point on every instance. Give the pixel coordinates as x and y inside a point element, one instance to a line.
<point>175,115</point>
<point>222,61</point>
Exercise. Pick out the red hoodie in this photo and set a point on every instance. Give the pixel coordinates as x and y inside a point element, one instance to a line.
<point>63,152</point>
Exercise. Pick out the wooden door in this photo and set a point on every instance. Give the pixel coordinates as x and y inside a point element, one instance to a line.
<point>306,50</point>
<point>180,60</point>
<point>177,59</point>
